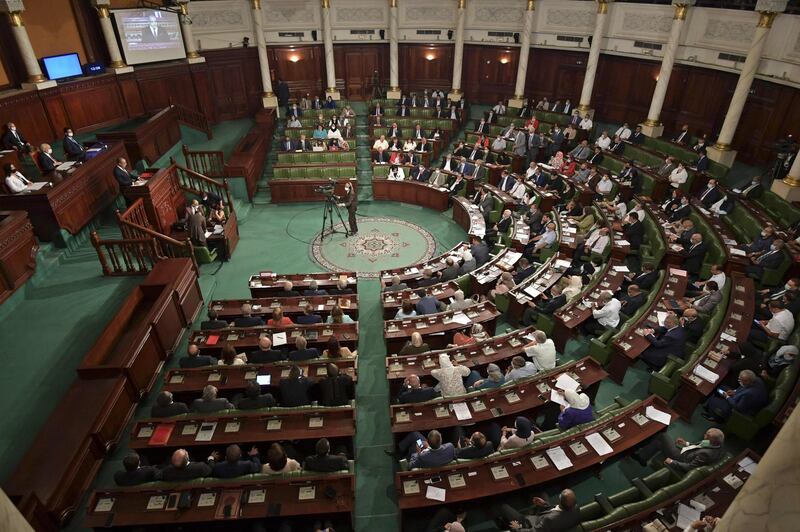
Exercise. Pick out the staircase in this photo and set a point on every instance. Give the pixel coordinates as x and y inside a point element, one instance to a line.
<point>363,157</point>
<point>263,196</point>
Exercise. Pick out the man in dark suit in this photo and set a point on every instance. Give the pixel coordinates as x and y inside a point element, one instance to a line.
<point>265,353</point>
<point>122,175</point>
<point>394,131</point>
<point>545,305</point>
<point>556,140</point>
<point>247,319</point>
<point>428,278</point>
<point>544,516</point>
<point>633,230</point>
<point>253,399</point>
<point>210,200</point>
<point>341,288</point>
<point>680,455</point>
<point>294,389</point>
<point>323,461</point>
<point>154,32</point>
<point>283,93</point>
<point>693,325</point>
<point>380,157</point>
<point>135,473</point>
<point>702,162</point>
<point>336,389</point>
<point>479,250</point>
<point>644,279</point>
<point>772,258</point>
<point>47,161</point>
<point>507,181</point>
<point>414,392</point>
<point>524,270</point>
<point>213,322</point>
<point>427,304</point>
<point>302,351</point>
<point>303,144</point>
<point>75,150</point>
<point>474,447</point>
<point>420,173</point>
<point>288,144</point>
<point>14,140</point>
<point>750,397</point>
<point>314,290</point>
<point>638,137</point>
<point>288,290</point>
<point>482,127</point>
<point>181,469</point>
<point>234,466</point>
<point>308,317</point>
<point>632,301</point>
<point>209,402</point>
<point>669,340</point>
<point>710,195</point>
<point>403,111</point>
<point>193,359</point>
<point>753,190</point>
<point>166,407</point>
<point>683,136</point>
<point>351,204</point>
<point>694,256</point>
<point>618,146</point>
<point>597,157</point>
<point>451,271</point>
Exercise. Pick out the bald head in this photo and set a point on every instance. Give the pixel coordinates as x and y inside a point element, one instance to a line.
<point>567,499</point>
<point>180,459</point>
<point>715,436</point>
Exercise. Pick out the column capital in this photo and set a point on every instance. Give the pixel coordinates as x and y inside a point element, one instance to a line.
<point>681,8</point>
<point>462,4</point>
<point>392,3</point>
<point>766,18</point>
<point>531,5</point>
<point>256,4</point>
<point>602,6</point>
<point>326,4</point>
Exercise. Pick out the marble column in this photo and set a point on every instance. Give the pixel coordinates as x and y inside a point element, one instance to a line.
<point>186,28</point>
<point>35,80</point>
<point>721,151</point>
<point>600,22</point>
<point>117,65</point>
<point>330,65</point>
<point>524,51</point>
<point>458,55</point>
<point>268,98</point>
<point>394,68</point>
<point>652,127</point>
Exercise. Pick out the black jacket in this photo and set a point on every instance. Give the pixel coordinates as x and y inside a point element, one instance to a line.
<point>418,395</point>
<point>209,407</point>
<point>304,354</point>
<point>262,401</point>
<point>248,321</point>
<point>198,361</point>
<point>630,304</point>
<point>553,304</point>
<point>174,409</point>
<point>634,233</point>
<point>336,391</point>
<point>471,453</point>
<point>192,471</point>
<point>123,177</point>
<point>139,476</point>
<point>646,280</point>
<point>264,357</point>
<point>694,257</point>
<point>237,469</point>
<point>294,392</point>
<point>213,324</point>
<point>325,464</point>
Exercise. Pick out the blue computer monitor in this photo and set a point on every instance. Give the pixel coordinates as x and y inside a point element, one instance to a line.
<point>62,66</point>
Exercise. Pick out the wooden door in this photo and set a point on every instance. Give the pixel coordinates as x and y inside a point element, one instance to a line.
<point>230,92</point>
<point>359,66</point>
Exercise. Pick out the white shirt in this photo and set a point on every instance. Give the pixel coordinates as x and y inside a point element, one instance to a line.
<point>586,124</point>
<point>782,324</point>
<point>499,109</point>
<point>608,314</point>
<point>603,141</point>
<point>499,145</point>
<point>16,183</point>
<point>719,278</point>
<point>409,145</point>
<point>623,132</point>
<point>542,355</point>
<point>604,186</point>
<point>381,144</point>
<point>620,210</point>
<point>450,165</point>
<point>678,177</point>
<point>334,134</point>
<point>396,175</point>
<point>717,207</point>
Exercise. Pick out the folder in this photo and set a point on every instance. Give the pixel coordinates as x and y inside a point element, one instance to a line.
<point>161,434</point>
<point>212,339</point>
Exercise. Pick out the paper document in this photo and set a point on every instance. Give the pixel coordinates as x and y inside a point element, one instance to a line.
<point>559,458</point>
<point>279,339</point>
<point>686,515</point>
<point>565,264</point>
<point>37,186</point>
<point>599,443</point>
<point>657,415</point>
<point>727,337</point>
<point>462,411</point>
<point>565,382</point>
<point>623,269</point>
<point>532,291</point>
<point>435,494</point>
<point>621,242</point>
<point>661,317</point>
<point>65,166</point>
<point>461,318</point>
<point>739,252</point>
<point>558,398</point>
<point>705,374</point>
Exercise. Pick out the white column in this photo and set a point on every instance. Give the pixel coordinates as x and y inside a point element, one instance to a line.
<point>652,126</point>
<point>394,67</point>
<point>330,64</point>
<point>524,52</point>
<point>186,28</point>
<point>594,57</point>
<point>117,65</point>
<point>35,80</point>
<point>458,56</point>
<point>721,151</point>
<point>268,98</point>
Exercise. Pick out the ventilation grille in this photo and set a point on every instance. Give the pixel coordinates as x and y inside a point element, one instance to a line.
<point>501,34</point>
<point>569,38</point>
<point>291,34</point>
<point>732,57</point>
<point>647,45</point>
<point>429,32</point>
<point>362,32</point>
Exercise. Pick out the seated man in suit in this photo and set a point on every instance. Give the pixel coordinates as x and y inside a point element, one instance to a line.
<point>247,319</point>
<point>426,452</point>
<point>308,317</point>
<point>454,188</point>
<point>428,304</point>
<point>710,195</point>
<point>135,473</point>
<point>341,288</point>
<point>693,325</point>
<point>427,278</point>
<point>544,305</point>
<point>632,301</point>
<point>234,466</point>
<point>208,403</point>
<point>181,469</point>
<point>336,389</point>
<point>702,162</point>
<point>303,352</point>
<point>523,270</point>
<point>193,359</point>
<point>253,399</point>
<point>665,341</point>
<point>544,516</point>
<point>474,447</point>
<point>771,259</point>
<point>166,407</point>
<point>295,389</point>
<point>644,279</point>
<point>396,286</point>
<point>323,461</point>
<point>121,173</point>
<point>47,161</point>
<point>14,140</point>
<point>694,256</point>
<point>265,353</point>
<point>288,290</point>
<point>680,455</point>
<point>380,156</point>
<point>314,290</point>
<point>288,144</point>
<point>413,391</point>
<point>753,190</point>
<point>74,150</point>
<point>750,397</point>
<point>213,322</point>
<point>451,270</point>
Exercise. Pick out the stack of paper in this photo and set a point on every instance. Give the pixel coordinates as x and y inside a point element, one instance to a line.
<point>657,415</point>
<point>559,458</point>
<point>565,382</point>
<point>599,444</point>
<point>705,374</point>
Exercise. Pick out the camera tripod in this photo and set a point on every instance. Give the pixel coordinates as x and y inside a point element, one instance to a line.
<point>331,207</point>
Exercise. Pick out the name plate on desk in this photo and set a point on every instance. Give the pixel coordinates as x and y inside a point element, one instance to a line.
<point>250,375</point>
<point>611,434</point>
<point>189,429</point>
<point>487,350</point>
<point>539,462</point>
<point>441,412</point>
<point>515,342</point>
<point>207,499</point>
<point>456,481</point>
<point>307,493</point>
<point>156,502</point>
<point>145,432</point>
<point>395,366</point>
<point>256,496</point>
<point>176,378</point>
<point>402,417</point>
<point>232,426</point>
<point>459,357</point>
<point>214,377</point>
<point>478,406</point>
<point>104,505</point>
<point>512,398</point>
<point>428,363</point>
<point>640,419</point>
<point>410,487</point>
<point>232,338</point>
<point>499,472</point>
<point>578,448</point>
<point>316,422</point>
<point>274,424</point>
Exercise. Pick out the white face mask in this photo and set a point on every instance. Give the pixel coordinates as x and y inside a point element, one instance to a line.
<point>13,129</point>
<point>787,286</point>
<point>773,247</point>
<point>764,234</point>
<point>49,151</point>
<point>69,134</point>
<point>710,186</point>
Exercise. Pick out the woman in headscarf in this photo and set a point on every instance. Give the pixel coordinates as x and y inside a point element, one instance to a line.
<point>450,376</point>
<point>557,161</point>
<point>494,378</point>
<point>519,436</point>
<point>415,346</point>
<point>504,284</point>
<point>569,166</point>
<point>579,410</point>
<point>336,350</point>
<point>573,286</point>
<point>334,133</point>
<point>459,302</point>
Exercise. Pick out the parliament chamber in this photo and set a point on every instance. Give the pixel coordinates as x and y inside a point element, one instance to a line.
<point>399,265</point>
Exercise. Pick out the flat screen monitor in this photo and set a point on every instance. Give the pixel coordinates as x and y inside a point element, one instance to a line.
<point>62,66</point>
<point>149,35</point>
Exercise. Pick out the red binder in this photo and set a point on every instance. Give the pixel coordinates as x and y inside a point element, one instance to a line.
<point>161,434</point>
<point>212,339</point>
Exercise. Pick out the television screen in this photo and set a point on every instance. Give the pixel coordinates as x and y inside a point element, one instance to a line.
<point>149,35</point>
<point>62,66</point>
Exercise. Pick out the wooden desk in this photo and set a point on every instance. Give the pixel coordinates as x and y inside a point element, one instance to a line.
<point>230,309</point>
<point>413,192</point>
<point>18,248</point>
<point>712,486</point>
<point>733,329</point>
<point>437,329</point>
<point>674,255</point>
<point>393,301</point>
<point>411,275</point>
<point>620,248</point>
<point>73,201</point>
<point>231,380</point>
<point>733,263</point>
<point>575,313</point>
<point>469,217</point>
<point>246,338</point>
<point>540,282</point>
<point>514,471</point>
<point>301,190</point>
<point>507,199</point>
<point>269,284</point>
<point>282,499</point>
<point>524,396</point>
<point>632,343</point>
<point>482,278</point>
<point>148,139</point>
<point>248,157</point>
<point>254,428</point>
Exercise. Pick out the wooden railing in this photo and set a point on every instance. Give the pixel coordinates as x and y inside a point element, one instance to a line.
<point>134,216</point>
<point>129,256</point>
<point>193,119</point>
<point>208,163</point>
<point>197,184</point>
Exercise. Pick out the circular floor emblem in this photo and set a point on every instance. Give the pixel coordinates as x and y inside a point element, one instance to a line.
<point>381,244</point>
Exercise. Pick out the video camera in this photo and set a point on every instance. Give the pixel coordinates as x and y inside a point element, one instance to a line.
<point>327,190</point>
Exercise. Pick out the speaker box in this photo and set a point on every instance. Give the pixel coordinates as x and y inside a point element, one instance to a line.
<point>382,34</point>
<point>516,38</point>
<point>313,35</point>
<point>450,35</point>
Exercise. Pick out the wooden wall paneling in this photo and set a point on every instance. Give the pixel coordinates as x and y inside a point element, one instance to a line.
<point>129,90</point>
<point>355,65</point>
<point>417,72</point>
<point>202,90</point>
<point>490,72</point>
<point>85,104</point>
<point>556,74</point>
<point>166,83</point>
<point>27,111</point>
<point>624,88</point>
<point>305,75</point>
<point>240,97</point>
<point>698,97</point>
<point>769,114</point>
<point>90,31</point>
